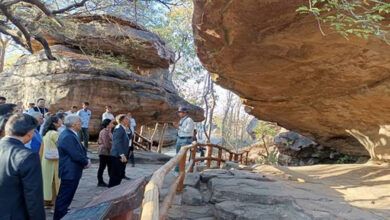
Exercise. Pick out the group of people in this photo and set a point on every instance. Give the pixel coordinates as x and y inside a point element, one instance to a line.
<point>42,157</point>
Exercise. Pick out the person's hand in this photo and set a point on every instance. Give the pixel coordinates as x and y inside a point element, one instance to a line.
<point>176,124</point>
<point>123,159</point>
<point>88,165</point>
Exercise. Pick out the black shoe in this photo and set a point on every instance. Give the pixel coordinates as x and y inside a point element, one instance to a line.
<point>126,178</point>
<point>102,184</point>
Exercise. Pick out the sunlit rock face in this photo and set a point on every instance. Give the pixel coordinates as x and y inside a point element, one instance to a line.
<point>131,77</point>
<point>332,90</point>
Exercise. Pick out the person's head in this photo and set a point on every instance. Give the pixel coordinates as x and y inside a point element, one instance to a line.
<point>108,108</point>
<point>182,112</point>
<point>38,117</point>
<point>3,121</point>
<point>73,109</point>
<point>41,102</point>
<point>107,124</point>
<point>31,105</point>
<point>60,110</point>
<point>73,122</point>
<point>129,115</point>
<point>3,100</point>
<point>61,116</point>
<point>21,126</point>
<point>85,105</point>
<point>123,120</point>
<point>52,124</point>
<point>195,132</point>
<point>7,108</point>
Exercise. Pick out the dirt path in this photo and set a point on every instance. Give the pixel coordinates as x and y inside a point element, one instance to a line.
<point>365,186</point>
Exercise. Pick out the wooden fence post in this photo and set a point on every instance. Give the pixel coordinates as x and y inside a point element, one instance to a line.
<point>209,154</point>
<point>230,156</point>
<point>235,158</point>
<point>219,157</point>
<point>182,170</point>
<point>247,158</point>
<point>154,133</point>
<point>141,132</point>
<point>193,156</point>
<point>161,141</point>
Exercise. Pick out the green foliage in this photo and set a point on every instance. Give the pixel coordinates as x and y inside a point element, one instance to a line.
<point>271,159</point>
<point>265,129</point>
<point>361,18</point>
<point>346,159</point>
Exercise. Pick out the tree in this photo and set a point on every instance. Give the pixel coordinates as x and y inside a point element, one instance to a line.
<point>4,44</point>
<point>361,18</point>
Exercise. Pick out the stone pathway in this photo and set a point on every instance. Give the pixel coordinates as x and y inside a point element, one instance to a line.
<point>88,184</point>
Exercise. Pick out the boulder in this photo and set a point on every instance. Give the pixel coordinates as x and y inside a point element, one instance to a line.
<point>142,157</point>
<point>192,196</point>
<point>329,89</point>
<point>230,210</point>
<point>79,75</point>
<point>192,180</point>
<point>108,35</point>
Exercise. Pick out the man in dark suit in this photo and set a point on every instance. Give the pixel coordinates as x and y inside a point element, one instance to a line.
<point>119,150</point>
<point>73,159</point>
<point>21,191</point>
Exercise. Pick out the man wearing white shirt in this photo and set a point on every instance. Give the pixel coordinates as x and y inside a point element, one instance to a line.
<point>72,111</point>
<point>185,132</point>
<point>108,114</point>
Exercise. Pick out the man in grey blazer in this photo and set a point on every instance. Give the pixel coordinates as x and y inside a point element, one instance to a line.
<point>21,191</point>
<point>119,150</point>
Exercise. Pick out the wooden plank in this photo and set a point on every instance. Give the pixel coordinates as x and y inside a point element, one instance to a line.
<point>161,141</point>
<point>209,158</point>
<point>193,156</point>
<point>219,157</point>
<point>150,206</point>
<point>143,147</point>
<point>169,198</point>
<point>209,154</point>
<point>230,156</point>
<point>241,158</point>
<point>182,171</point>
<point>247,158</point>
<point>154,133</point>
<point>141,132</point>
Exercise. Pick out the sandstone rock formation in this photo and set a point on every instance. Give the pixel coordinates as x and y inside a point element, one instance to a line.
<point>103,60</point>
<point>332,90</point>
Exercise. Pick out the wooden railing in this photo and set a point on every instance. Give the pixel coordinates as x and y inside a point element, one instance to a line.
<point>151,209</point>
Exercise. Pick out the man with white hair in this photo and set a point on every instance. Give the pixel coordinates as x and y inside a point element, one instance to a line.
<point>73,159</point>
<point>36,141</point>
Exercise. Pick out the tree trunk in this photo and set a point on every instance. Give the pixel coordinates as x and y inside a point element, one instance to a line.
<point>4,44</point>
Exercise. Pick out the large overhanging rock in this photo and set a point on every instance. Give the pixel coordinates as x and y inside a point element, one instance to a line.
<point>74,78</point>
<point>332,90</point>
<point>105,34</point>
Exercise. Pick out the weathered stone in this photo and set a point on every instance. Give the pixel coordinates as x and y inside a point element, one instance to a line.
<point>191,196</point>
<point>192,180</point>
<point>111,35</point>
<point>190,212</point>
<point>142,157</point>
<point>332,90</point>
<point>206,175</point>
<point>231,165</point>
<point>230,210</point>
<point>74,78</point>
<point>241,174</point>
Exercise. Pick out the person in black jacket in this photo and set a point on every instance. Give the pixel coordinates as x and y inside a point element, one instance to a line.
<point>21,190</point>
<point>119,150</point>
<point>72,160</point>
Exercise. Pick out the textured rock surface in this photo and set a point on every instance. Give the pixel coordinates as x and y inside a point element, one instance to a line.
<point>146,91</point>
<point>192,180</point>
<point>325,87</point>
<point>191,196</point>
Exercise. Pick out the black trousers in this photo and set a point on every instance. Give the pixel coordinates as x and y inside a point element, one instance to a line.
<point>65,196</point>
<point>104,161</point>
<point>117,171</point>
<point>84,136</point>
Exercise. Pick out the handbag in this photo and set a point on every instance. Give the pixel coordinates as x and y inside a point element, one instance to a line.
<point>51,154</point>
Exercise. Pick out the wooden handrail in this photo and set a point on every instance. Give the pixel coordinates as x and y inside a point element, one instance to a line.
<point>150,204</point>
<point>142,137</point>
<point>220,147</point>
